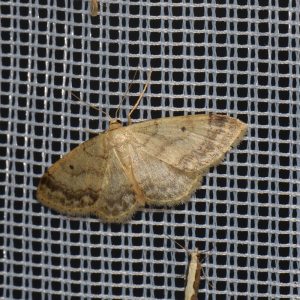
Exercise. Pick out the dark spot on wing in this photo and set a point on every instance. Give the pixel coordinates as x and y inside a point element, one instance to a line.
<point>183,129</point>
<point>71,167</point>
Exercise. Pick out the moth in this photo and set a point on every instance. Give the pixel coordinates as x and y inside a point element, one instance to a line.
<point>158,162</point>
<point>94,8</point>
<point>193,276</point>
<point>193,273</point>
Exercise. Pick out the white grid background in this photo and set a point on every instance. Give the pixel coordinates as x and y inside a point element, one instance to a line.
<point>235,57</point>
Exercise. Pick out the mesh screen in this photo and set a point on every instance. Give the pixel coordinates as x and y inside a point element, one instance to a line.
<point>237,57</point>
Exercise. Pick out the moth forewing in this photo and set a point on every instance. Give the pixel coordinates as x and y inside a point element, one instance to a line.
<point>193,273</point>
<point>193,276</point>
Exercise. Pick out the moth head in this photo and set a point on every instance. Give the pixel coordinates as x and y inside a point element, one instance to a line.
<point>114,124</point>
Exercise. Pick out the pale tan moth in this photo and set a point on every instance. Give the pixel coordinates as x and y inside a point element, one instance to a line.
<point>94,7</point>
<point>193,273</point>
<point>158,162</point>
<point>193,276</point>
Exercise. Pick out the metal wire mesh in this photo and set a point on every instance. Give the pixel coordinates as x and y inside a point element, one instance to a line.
<point>235,57</point>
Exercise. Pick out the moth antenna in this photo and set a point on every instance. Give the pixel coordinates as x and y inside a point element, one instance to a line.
<point>182,247</point>
<point>126,93</point>
<point>91,105</point>
<point>139,98</point>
